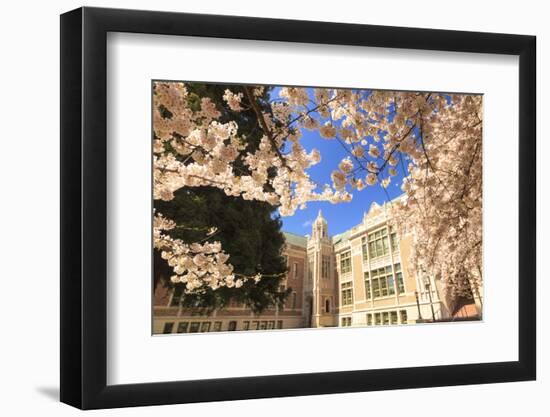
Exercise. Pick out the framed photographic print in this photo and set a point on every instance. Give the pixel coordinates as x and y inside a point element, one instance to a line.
<point>257,208</point>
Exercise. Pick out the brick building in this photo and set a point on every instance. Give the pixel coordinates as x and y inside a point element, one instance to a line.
<point>357,278</point>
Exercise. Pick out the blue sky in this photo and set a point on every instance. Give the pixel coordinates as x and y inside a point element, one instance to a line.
<point>342,216</point>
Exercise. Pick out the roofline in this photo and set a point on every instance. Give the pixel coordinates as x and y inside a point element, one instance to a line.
<point>295,234</point>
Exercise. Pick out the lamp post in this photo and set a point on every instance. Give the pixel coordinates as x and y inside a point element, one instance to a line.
<point>427,285</point>
<point>418,305</point>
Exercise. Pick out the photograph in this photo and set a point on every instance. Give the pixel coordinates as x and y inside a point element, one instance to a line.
<point>240,208</point>
<point>289,207</point>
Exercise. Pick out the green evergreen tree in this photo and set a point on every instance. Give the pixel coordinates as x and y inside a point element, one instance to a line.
<point>250,231</point>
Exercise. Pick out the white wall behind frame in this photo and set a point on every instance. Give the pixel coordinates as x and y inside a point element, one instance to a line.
<point>133,60</point>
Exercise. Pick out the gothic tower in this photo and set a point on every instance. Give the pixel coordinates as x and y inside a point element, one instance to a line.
<point>321,287</point>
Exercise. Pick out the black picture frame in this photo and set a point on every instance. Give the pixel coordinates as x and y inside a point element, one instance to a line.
<point>84,207</point>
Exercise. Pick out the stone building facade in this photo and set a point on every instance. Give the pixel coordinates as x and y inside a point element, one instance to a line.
<point>357,278</point>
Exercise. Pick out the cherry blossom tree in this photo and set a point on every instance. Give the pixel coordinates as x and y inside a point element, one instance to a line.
<point>443,204</point>
<point>434,139</point>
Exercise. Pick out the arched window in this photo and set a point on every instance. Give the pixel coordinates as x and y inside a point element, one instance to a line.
<point>327,305</point>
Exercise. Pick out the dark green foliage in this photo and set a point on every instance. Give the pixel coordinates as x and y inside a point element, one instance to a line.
<point>248,230</point>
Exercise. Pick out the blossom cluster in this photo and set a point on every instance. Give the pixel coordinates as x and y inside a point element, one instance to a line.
<point>443,204</point>
<point>433,139</point>
<point>197,265</point>
<point>192,148</point>
<point>436,141</point>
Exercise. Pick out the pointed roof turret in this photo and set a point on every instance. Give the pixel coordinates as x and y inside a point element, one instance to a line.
<point>320,217</point>
<point>319,228</point>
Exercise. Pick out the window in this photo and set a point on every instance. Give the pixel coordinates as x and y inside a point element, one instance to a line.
<point>382,282</point>
<point>205,327</point>
<point>310,270</point>
<point>263,325</point>
<point>168,327</point>
<point>378,243</point>
<point>182,326</point>
<point>279,324</point>
<point>345,262</point>
<point>375,288</point>
<point>394,240</point>
<point>325,266</point>
<point>194,328</point>
<point>347,293</point>
<point>176,296</point>
<point>383,287</point>
<point>391,284</point>
<point>217,326</point>
<point>327,305</point>
<point>388,318</point>
<point>255,325</point>
<point>346,321</point>
<point>295,269</point>
<point>364,249</point>
<point>270,324</point>
<point>403,314</point>
<point>399,279</point>
<point>385,318</point>
<point>246,325</point>
<point>368,293</point>
<point>232,326</point>
<point>293,300</point>
<point>393,317</point>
